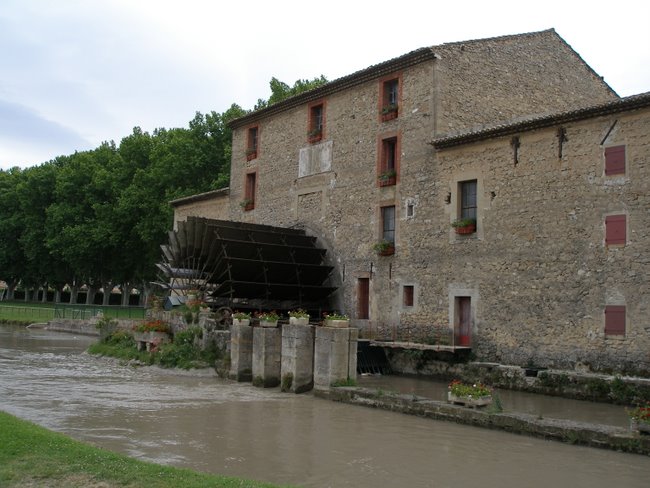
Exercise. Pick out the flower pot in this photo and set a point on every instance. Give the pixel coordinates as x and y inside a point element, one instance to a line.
<point>468,229</point>
<point>299,320</point>
<point>469,401</point>
<point>389,251</point>
<point>241,321</point>
<point>388,181</point>
<point>250,156</point>
<point>268,323</point>
<point>316,138</point>
<point>389,116</point>
<point>340,324</point>
<point>248,206</point>
<point>640,427</point>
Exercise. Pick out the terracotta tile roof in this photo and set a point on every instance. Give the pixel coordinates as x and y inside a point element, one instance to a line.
<point>633,102</point>
<point>199,197</point>
<point>373,72</point>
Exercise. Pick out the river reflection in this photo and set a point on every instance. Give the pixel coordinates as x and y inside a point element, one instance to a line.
<point>208,424</point>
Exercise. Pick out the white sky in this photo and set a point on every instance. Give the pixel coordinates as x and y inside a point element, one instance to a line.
<point>74,73</point>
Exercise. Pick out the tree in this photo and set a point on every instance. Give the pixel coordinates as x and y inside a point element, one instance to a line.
<point>281,91</point>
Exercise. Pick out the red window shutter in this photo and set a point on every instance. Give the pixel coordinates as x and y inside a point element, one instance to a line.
<point>615,160</point>
<point>363,298</point>
<point>615,320</point>
<point>615,229</point>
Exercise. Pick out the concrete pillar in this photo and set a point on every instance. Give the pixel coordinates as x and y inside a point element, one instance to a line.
<point>267,348</point>
<point>241,353</point>
<point>335,356</point>
<point>297,369</point>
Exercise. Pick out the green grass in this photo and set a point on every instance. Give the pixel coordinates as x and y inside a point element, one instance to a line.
<point>33,456</point>
<point>32,312</point>
<point>182,353</point>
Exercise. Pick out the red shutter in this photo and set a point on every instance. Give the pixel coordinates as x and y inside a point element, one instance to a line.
<point>615,160</point>
<point>615,320</point>
<point>615,229</point>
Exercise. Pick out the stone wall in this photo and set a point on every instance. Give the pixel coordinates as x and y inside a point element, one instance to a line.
<point>536,271</point>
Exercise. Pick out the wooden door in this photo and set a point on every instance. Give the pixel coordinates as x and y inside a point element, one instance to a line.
<point>464,321</point>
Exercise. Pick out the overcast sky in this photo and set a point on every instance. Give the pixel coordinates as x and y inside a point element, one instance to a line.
<point>75,73</point>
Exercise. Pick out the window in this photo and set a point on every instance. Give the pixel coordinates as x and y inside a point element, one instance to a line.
<point>249,191</point>
<point>251,144</point>
<point>615,230</point>
<point>615,160</point>
<point>408,293</point>
<point>388,162</point>
<point>468,199</point>
<point>388,223</point>
<point>615,320</point>
<point>363,298</point>
<point>389,99</point>
<point>316,122</point>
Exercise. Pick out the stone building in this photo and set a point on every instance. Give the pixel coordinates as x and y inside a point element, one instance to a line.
<point>514,132</point>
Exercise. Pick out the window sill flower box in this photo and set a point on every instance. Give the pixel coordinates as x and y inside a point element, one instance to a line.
<point>384,248</point>
<point>247,205</point>
<point>389,113</point>
<point>464,226</point>
<point>389,116</point>
<point>388,178</point>
<point>241,321</point>
<point>251,154</point>
<point>314,136</point>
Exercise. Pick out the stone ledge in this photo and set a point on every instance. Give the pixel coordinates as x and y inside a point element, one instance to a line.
<point>582,433</point>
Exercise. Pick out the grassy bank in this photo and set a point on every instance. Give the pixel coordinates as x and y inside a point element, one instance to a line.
<point>33,456</point>
<point>181,353</point>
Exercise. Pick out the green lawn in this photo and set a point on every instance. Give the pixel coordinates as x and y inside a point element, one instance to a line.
<point>33,456</point>
<point>31,312</point>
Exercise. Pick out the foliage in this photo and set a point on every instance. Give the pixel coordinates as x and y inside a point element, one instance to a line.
<point>387,175</point>
<point>268,316</point>
<point>383,246</point>
<point>460,389</point>
<point>345,382</point>
<point>241,316</point>
<point>389,108</point>
<point>33,456</point>
<point>246,202</point>
<point>281,91</point>
<point>299,314</point>
<point>463,222</point>
<point>335,316</point>
<point>640,414</point>
<point>154,325</point>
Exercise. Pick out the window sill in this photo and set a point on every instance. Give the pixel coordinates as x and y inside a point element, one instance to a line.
<point>251,156</point>
<point>389,116</point>
<point>392,181</point>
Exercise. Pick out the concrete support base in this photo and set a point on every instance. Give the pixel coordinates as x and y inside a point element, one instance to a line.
<point>297,369</point>
<point>267,348</point>
<point>241,353</point>
<point>335,356</point>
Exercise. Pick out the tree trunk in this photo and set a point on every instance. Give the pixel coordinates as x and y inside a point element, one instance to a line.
<point>44,297</point>
<point>90,295</point>
<point>10,291</point>
<point>107,287</point>
<point>57,295</point>
<point>73,294</point>
<point>28,294</point>
<point>126,293</point>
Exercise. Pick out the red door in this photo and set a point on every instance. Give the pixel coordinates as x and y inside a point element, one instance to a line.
<point>464,323</point>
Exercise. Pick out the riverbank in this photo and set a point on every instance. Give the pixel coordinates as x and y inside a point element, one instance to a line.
<point>580,433</point>
<point>33,456</point>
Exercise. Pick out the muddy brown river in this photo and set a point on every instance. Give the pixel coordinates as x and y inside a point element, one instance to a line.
<point>213,425</point>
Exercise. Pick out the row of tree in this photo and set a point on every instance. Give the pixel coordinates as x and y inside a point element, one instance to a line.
<point>97,218</point>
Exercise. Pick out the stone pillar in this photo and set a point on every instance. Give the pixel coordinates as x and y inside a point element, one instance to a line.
<point>267,348</point>
<point>241,353</point>
<point>297,369</point>
<point>335,356</point>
